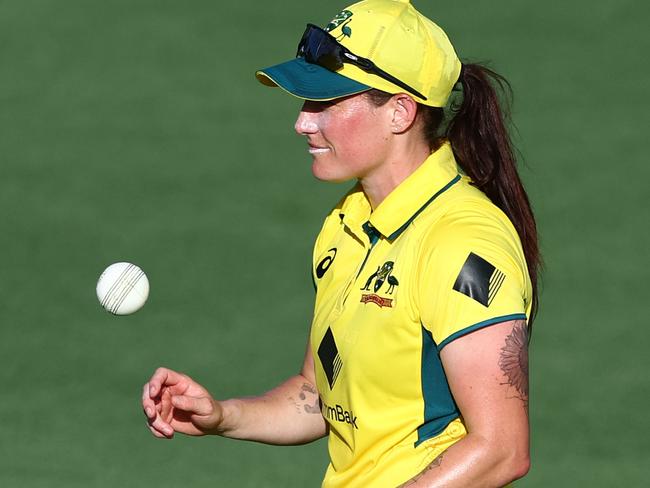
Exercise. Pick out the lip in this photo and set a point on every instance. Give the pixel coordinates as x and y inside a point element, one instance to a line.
<point>313,149</point>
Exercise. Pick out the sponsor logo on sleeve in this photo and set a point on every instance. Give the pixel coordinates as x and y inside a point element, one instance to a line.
<point>479,280</point>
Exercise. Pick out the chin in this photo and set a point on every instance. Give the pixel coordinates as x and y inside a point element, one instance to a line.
<point>322,174</point>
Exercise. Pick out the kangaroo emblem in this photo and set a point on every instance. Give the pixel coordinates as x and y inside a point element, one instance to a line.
<point>382,275</point>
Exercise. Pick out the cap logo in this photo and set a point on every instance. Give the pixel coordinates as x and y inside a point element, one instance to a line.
<point>338,20</point>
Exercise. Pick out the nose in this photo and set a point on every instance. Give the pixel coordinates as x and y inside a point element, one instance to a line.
<point>306,122</point>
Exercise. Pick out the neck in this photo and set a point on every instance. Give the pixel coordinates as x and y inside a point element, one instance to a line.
<point>396,167</point>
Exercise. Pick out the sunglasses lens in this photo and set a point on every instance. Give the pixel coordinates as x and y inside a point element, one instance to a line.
<point>317,47</point>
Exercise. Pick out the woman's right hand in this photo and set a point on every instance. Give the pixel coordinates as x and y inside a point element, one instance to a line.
<point>174,402</point>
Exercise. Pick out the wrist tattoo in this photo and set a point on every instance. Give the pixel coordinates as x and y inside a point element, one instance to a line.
<point>513,361</point>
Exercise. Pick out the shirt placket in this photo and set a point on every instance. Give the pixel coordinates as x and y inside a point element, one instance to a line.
<point>370,238</point>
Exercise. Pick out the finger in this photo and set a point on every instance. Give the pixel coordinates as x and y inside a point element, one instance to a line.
<point>163,376</point>
<point>198,406</point>
<point>162,427</point>
<point>148,405</point>
<point>165,405</point>
<point>157,434</point>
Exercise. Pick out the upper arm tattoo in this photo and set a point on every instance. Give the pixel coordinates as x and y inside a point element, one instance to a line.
<point>308,400</point>
<point>513,360</point>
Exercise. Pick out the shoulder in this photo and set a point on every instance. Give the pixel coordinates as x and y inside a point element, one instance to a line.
<point>468,225</point>
<point>464,212</point>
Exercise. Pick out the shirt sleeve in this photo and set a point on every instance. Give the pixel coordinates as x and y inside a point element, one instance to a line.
<point>316,252</point>
<point>472,275</point>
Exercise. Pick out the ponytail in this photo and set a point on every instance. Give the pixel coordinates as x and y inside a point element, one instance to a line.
<point>479,138</point>
<point>476,129</point>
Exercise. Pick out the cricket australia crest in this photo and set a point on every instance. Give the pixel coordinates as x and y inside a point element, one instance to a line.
<point>382,284</point>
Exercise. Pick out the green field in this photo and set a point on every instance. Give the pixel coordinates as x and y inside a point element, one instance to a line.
<point>135,130</point>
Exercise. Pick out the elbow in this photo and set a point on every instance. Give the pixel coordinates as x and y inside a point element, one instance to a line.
<point>512,460</point>
<point>519,467</point>
<point>516,465</point>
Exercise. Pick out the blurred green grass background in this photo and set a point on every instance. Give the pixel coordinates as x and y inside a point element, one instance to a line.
<point>136,131</point>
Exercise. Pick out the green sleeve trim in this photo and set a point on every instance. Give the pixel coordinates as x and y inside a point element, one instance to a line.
<point>480,325</point>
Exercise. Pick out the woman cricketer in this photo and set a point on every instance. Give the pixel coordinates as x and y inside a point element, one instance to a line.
<point>425,271</point>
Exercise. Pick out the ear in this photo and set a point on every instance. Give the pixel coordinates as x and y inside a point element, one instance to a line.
<point>404,112</point>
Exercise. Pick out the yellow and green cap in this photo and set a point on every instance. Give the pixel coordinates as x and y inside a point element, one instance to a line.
<point>393,35</point>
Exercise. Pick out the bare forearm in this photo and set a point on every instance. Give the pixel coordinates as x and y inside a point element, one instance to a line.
<point>472,462</point>
<point>287,415</point>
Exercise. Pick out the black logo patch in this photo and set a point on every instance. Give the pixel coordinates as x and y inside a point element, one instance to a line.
<point>329,357</point>
<point>478,279</point>
<point>325,263</point>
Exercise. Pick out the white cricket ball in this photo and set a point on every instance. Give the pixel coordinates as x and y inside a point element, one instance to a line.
<point>122,288</point>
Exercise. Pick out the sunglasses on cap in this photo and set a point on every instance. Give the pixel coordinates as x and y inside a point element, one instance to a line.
<point>319,47</point>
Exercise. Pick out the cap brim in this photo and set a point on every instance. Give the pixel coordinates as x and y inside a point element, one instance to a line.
<point>309,81</point>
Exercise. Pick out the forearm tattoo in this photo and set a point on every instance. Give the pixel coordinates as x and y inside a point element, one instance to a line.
<point>433,465</point>
<point>308,400</point>
<point>513,361</point>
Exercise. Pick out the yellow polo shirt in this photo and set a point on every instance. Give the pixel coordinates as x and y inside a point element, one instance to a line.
<point>434,261</point>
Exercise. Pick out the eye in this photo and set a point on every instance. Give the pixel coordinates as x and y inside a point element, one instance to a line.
<point>315,106</point>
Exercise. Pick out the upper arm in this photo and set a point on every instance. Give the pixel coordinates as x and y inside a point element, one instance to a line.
<point>474,298</point>
<point>487,371</point>
<point>308,366</point>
